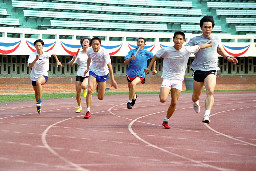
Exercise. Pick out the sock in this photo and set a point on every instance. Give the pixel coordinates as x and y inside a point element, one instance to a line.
<point>197,102</point>
<point>135,96</point>
<point>129,101</point>
<point>207,112</point>
<point>88,109</point>
<point>39,100</point>
<point>166,119</point>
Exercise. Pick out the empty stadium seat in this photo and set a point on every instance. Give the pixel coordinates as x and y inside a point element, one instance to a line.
<point>241,20</point>
<point>197,28</point>
<point>9,21</point>
<point>231,5</point>
<point>245,28</point>
<point>3,12</point>
<point>236,12</point>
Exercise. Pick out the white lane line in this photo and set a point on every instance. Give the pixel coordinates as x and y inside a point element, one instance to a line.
<point>93,152</point>
<point>228,136</point>
<point>44,141</point>
<point>159,148</point>
<point>166,151</point>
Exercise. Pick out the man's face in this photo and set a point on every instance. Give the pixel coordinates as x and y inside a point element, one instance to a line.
<point>207,29</point>
<point>178,41</point>
<point>86,43</point>
<point>39,46</point>
<point>96,45</point>
<point>140,43</point>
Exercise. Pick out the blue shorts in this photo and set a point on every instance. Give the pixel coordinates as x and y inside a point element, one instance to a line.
<point>99,78</point>
<point>34,82</point>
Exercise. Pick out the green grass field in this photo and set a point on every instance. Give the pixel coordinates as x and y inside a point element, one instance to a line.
<point>27,97</point>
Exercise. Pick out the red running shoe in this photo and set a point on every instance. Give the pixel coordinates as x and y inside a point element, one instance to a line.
<point>165,124</point>
<point>87,115</point>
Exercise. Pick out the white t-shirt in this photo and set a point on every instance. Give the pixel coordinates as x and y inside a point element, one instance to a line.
<point>81,60</point>
<point>175,61</point>
<point>41,66</point>
<point>99,61</point>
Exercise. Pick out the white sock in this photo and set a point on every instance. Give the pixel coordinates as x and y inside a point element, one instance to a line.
<point>135,96</point>
<point>207,112</point>
<point>129,101</point>
<point>166,119</point>
<point>80,106</point>
<point>197,102</point>
<point>88,109</point>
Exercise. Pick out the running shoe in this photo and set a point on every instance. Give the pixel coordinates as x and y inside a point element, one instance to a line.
<point>79,109</point>
<point>87,115</point>
<point>206,119</point>
<point>85,92</point>
<point>129,105</point>
<point>165,124</point>
<point>38,107</point>
<point>134,100</point>
<point>196,107</point>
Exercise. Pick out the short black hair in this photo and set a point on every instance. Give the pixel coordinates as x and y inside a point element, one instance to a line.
<point>95,38</point>
<point>39,40</point>
<point>82,40</point>
<point>207,18</point>
<point>179,33</point>
<point>141,38</point>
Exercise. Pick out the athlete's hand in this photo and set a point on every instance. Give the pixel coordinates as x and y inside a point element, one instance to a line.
<point>85,72</point>
<point>232,59</point>
<point>154,72</point>
<point>59,64</point>
<point>133,57</point>
<point>146,70</point>
<point>114,84</point>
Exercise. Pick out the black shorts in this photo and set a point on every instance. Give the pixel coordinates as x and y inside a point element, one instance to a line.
<point>34,82</point>
<point>199,75</point>
<point>80,78</point>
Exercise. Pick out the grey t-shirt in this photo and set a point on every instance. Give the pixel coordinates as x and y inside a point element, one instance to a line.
<point>206,59</point>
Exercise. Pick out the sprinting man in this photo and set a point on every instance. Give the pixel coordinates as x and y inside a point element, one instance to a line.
<point>81,81</point>
<point>99,70</point>
<point>205,66</point>
<point>175,60</point>
<point>137,60</point>
<point>39,63</point>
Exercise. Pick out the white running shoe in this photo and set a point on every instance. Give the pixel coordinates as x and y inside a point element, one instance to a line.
<point>206,119</point>
<point>196,107</point>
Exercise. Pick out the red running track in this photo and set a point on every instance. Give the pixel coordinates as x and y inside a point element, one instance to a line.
<point>117,138</point>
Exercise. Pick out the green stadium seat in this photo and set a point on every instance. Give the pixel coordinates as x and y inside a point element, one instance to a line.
<point>197,28</point>
<point>109,17</point>
<point>236,12</point>
<point>180,4</point>
<point>109,25</point>
<point>245,28</point>
<point>3,12</point>
<point>231,5</point>
<point>9,21</point>
<point>241,20</point>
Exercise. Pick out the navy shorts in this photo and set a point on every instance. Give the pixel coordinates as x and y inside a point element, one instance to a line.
<point>99,78</point>
<point>80,78</point>
<point>199,75</point>
<point>34,82</point>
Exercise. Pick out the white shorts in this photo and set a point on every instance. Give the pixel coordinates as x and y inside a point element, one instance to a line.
<point>172,84</point>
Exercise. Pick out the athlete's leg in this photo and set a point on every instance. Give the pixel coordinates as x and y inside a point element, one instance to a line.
<point>210,83</point>
<point>164,93</point>
<point>40,81</point>
<point>91,86</point>
<point>36,93</point>
<point>133,84</point>
<point>101,90</point>
<point>85,84</point>
<point>175,94</point>
<point>78,92</point>
<point>197,90</point>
